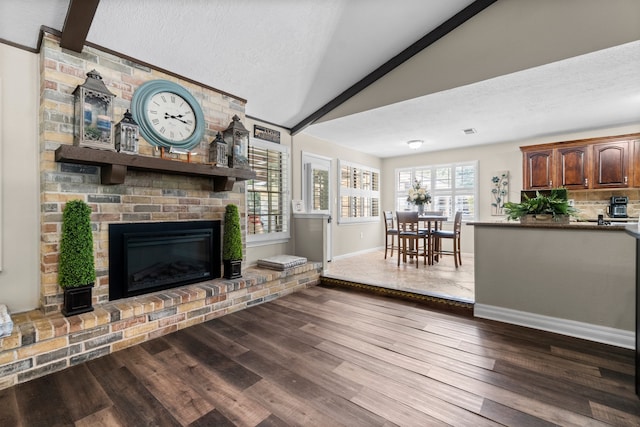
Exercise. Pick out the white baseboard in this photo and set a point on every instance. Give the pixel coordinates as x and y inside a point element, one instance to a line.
<point>572,328</point>
<point>357,253</point>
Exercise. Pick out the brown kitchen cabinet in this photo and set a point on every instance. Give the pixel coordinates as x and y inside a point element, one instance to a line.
<point>611,165</point>
<point>608,162</point>
<point>573,167</point>
<point>635,161</point>
<point>538,169</point>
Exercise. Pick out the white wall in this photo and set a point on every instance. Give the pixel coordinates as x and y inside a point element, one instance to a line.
<point>19,195</point>
<point>346,238</point>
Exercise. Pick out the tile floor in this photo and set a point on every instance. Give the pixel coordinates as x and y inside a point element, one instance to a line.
<point>441,279</point>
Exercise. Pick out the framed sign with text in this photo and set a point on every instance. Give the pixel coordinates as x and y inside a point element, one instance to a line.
<point>266,134</point>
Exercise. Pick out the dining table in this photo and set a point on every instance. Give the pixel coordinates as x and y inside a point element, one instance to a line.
<point>429,220</point>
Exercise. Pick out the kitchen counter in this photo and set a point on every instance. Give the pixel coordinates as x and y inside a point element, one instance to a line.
<point>576,279</point>
<point>573,225</point>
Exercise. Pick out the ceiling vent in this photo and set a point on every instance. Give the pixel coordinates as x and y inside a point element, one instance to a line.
<point>469,131</point>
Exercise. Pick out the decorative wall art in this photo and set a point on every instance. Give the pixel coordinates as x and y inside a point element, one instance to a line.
<point>499,192</point>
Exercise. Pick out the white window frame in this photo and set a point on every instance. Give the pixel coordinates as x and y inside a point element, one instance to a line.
<point>356,192</point>
<point>434,192</point>
<point>274,237</point>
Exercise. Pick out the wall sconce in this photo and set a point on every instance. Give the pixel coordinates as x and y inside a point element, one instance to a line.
<point>126,135</point>
<point>237,138</point>
<point>414,144</point>
<point>93,109</point>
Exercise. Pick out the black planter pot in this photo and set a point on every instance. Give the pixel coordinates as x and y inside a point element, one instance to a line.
<point>232,268</point>
<point>77,300</point>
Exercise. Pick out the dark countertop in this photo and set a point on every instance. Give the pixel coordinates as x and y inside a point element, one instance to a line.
<point>574,225</point>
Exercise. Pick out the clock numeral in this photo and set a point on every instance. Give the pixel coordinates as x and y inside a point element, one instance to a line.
<point>155,121</point>
<point>173,99</point>
<point>162,130</point>
<point>190,122</point>
<point>163,99</point>
<point>155,102</point>
<point>153,111</point>
<point>172,135</point>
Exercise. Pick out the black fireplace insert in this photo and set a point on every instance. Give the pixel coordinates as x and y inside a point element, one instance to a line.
<point>147,257</point>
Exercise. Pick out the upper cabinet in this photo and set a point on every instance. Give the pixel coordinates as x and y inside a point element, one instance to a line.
<point>573,167</point>
<point>611,165</point>
<point>610,162</point>
<point>538,169</point>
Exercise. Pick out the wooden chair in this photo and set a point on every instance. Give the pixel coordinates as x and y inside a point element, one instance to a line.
<point>454,235</point>
<point>430,231</point>
<point>390,231</point>
<point>410,238</point>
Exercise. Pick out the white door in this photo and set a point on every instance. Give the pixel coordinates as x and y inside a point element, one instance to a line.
<point>316,189</point>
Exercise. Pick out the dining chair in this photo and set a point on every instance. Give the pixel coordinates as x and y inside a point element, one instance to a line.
<point>454,235</point>
<point>390,232</point>
<point>411,240</point>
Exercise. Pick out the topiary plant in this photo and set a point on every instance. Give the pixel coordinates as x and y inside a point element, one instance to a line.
<point>232,239</point>
<point>232,242</point>
<point>76,262</point>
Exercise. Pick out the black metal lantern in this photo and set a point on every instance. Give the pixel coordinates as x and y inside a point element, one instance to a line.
<point>237,138</point>
<point>93,105</point>
<point>126,134</point>
<point>218,152</point>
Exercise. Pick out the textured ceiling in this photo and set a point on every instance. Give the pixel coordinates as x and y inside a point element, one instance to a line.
<point>288,58</point>
<point>596,90</point>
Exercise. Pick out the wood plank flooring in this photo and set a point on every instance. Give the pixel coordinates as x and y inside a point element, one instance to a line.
<point>337,357</point>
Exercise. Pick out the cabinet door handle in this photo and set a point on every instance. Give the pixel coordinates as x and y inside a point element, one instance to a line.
<point>550,183</point>
<point>625,180</point>
<point>586,182</point>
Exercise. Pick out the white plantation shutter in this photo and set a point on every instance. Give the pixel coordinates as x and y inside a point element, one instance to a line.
<point>268,194</point>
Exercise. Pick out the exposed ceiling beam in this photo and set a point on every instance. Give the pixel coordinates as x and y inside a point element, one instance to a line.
<point>451,24</point>
<point>77,23</point>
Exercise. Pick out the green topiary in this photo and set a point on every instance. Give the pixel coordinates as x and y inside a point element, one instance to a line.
<point>76,263</point>
<point>232,238</point>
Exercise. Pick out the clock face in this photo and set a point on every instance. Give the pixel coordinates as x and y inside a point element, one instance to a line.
<point>171,116</point>
<point>168,115</point>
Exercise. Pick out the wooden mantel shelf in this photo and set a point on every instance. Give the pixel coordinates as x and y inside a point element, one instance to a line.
<point>114,166</point>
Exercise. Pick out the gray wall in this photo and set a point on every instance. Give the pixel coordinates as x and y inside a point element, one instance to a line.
<point>581,275</point>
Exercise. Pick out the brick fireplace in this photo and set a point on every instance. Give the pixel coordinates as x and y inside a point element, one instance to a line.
<point>43,341</point>
<point>144,196</point>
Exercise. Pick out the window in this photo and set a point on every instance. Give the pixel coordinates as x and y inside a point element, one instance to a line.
<point>359,193</point>
<point>268,193</point>
<point>452,187</point>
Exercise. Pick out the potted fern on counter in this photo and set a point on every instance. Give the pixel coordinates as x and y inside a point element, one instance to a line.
<point>76,271</point>
<point>553,207</point>
<point>232,243</point>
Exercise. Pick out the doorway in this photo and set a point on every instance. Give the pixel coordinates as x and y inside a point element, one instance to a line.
<point>316,190</point>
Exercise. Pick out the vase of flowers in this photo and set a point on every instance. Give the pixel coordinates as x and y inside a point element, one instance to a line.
<point>418,195</point>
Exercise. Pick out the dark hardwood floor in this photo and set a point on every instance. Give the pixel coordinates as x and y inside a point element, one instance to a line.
<point>336,357</point>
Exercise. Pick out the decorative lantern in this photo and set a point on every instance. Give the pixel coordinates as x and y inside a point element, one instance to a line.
<point>218,152</point>
<point>93,105</point>
<point>237,138</point>
<point>126,135</point>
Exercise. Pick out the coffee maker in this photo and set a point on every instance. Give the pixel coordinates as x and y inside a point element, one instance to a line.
<point>618,207</point>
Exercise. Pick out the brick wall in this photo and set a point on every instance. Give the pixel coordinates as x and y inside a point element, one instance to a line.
<point>145,196</point>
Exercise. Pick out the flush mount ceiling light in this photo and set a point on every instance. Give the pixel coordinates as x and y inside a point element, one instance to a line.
<point>414,144</point>
<point>469,131</point>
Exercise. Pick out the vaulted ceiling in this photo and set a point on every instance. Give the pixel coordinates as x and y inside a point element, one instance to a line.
<point>344,70</point>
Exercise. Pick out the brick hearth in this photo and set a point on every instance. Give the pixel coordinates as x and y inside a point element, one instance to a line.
<point>41,344</point>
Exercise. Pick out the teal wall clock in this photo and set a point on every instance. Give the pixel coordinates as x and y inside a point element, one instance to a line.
<point>168,115</point>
